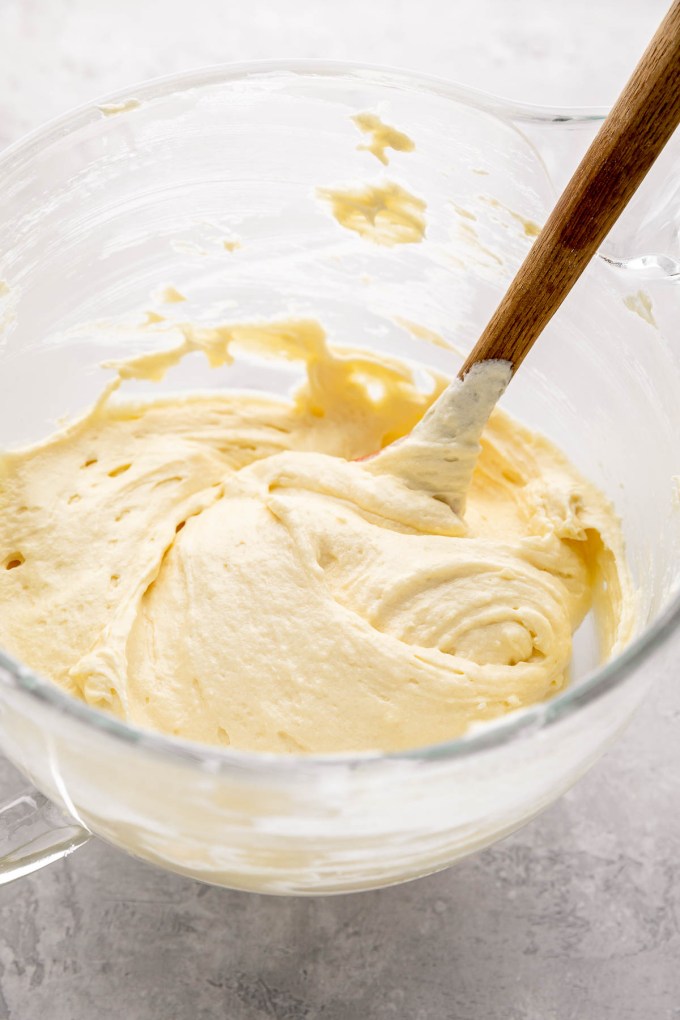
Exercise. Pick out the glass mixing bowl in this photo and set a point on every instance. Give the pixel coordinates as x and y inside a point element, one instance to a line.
<point>102,207</point>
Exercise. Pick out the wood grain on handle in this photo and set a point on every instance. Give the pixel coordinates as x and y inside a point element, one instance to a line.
<point>636,130</point>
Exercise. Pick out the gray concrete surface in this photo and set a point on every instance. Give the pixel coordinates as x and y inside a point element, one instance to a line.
<point>577,916</point>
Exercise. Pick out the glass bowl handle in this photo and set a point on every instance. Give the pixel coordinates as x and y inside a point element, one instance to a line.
<point>646,238</point>
<point>33,833</point>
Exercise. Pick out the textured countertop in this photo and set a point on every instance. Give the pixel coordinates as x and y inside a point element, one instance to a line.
<point>577,916</point>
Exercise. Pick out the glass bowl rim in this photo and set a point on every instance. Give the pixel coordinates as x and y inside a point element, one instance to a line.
<point>484,737</point>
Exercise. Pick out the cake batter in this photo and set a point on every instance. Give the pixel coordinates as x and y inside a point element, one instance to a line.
<point>224,567</point>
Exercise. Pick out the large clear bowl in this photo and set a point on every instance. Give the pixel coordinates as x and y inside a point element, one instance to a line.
<point>104,206</point>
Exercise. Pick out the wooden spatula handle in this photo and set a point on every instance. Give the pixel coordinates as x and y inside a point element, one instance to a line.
<point>636,130</point>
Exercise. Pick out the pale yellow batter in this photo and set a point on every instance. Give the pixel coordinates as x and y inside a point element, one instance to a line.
<point>220,567</point>
<point>381,137</point>
<point>384,213</point>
